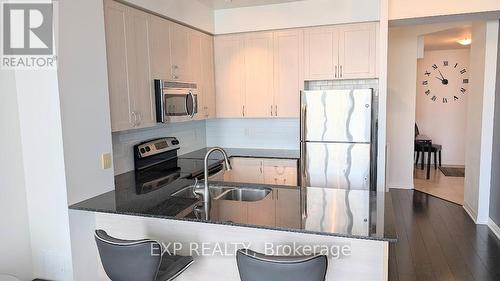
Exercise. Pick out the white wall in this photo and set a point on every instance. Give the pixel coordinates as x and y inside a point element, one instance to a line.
<point>445,123</point>
<point>191,136</point>
<point>480,112</point>
<point>254,133</point>
<point>43,158</point>
<point>401,100</point>
<point>404,9</point>
<point>14,224</point>
<point>295,14</point>
<point>83,87</point>
<point>191,12</point>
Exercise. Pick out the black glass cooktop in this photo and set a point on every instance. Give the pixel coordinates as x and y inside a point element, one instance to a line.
<point>167,172</point>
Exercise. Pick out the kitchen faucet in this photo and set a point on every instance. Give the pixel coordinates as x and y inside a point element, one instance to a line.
<point>206,196</point>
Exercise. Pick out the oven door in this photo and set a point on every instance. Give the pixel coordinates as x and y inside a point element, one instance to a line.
<point>179,105</point>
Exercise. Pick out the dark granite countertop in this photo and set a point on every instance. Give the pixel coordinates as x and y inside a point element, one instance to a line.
<point>335,212</point>
<point>245,152</point>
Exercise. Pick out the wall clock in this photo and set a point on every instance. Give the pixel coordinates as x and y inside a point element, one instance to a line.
<point>445,82</point>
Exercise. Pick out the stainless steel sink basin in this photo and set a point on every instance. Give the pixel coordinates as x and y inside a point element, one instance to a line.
<point>244,194</point>
<point>226,193</point>
<point>188,191</point>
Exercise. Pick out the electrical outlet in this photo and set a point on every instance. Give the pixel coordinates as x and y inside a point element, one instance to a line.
<point>105,161</point>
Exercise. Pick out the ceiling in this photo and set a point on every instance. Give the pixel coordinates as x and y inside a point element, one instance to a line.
<point>447,39</point>
<point>225,4</point>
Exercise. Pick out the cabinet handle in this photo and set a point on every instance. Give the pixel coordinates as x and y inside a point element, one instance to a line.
<point>341,74</point>
<point>243,111</point>
<point>139,118</point>
<point>336,67</point>
<point>276,110</point>
<point>271,110</point>
<point>134,118</point>
<point>174,68</point>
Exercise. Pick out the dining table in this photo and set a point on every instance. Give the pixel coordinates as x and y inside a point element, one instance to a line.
<point>426,143</point>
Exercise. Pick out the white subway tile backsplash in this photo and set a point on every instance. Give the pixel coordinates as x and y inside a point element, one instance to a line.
<point>254,133</point>
<point>341,84</point>
<point>192,136</point>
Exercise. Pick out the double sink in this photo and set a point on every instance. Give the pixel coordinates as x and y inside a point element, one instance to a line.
<point>233,193</point>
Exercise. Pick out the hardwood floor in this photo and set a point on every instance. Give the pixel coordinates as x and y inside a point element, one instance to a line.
<point>437,240</point>
<point>448,188</point>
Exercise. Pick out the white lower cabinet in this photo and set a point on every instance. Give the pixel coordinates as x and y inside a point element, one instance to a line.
<point>245,170</point>
<point>288,208</point>
<point>280,208</point>
<point>280,172</point>
<point>263,170</point>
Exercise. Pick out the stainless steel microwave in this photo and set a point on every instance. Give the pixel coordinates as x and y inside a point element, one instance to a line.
<point>175,101</point>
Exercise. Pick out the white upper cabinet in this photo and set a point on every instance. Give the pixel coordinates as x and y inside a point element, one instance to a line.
<point>141,83</point>
<point>207,84</point>
<point>229,75</point>
<point>194,55</point>
<point>321,53</point>
<point>258,69</point>
<point>120,93</point>
<point>142,47</point>
<point>179,43</point>
<point>161,65</point>
<point>357,51</point>
<point>127,47</point>
<point>259,75</point>
<point>341,52</point>
<point>288,72</point>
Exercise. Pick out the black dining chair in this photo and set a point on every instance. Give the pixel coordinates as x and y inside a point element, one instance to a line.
<point>421,149</point>
<point>255,266</point>
<point>417,147</point>
<point>132,260</point>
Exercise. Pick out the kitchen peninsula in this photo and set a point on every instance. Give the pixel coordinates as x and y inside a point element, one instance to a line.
<point>286,214</point>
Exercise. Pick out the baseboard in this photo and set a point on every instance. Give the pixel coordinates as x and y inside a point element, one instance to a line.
<point>401,186</point>
<point>494,228</point>
<point>470,212</point>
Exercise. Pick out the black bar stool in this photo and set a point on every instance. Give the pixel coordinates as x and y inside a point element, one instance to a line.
<point>255,266</point>
<point>132,260</point>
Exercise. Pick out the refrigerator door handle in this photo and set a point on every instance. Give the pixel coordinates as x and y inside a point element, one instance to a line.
<point>303,124</point>
<point>303,168</point>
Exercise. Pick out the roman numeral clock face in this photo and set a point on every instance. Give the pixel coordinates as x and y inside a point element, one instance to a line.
<point>445,82</point>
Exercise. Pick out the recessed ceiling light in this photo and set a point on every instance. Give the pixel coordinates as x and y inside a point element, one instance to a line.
<point>465,41</point>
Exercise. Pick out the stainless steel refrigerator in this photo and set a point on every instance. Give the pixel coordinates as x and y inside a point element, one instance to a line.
<point>336,134</point>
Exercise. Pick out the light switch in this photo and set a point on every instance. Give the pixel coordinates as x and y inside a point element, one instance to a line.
<point>105,161</point>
